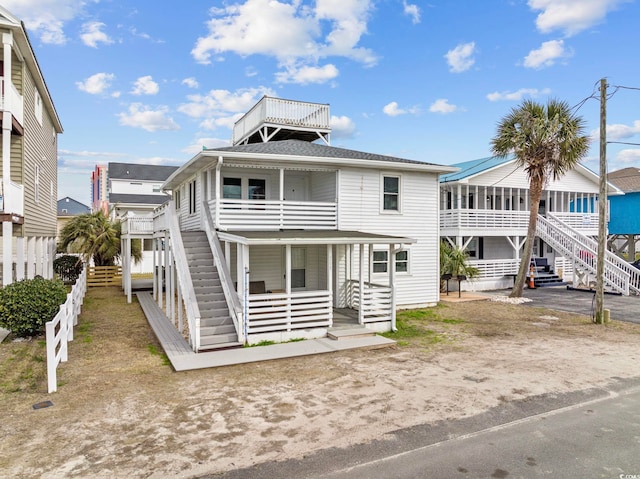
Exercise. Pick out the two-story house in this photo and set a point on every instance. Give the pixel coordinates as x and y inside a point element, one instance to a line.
<point>28,182</point>
<point>624,221</point>
<point>277,237</point>
<point>484,208</point>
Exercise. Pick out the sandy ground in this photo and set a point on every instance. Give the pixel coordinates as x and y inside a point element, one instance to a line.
<point>129,415</point>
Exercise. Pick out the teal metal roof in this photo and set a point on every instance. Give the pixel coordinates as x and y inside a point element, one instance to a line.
<point>474,167</point>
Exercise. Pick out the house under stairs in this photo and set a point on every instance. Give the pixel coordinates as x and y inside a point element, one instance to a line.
<point>217,329</point>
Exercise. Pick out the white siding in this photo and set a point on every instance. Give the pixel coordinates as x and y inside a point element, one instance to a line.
<point>323,186</point>
<point>135,187</point>
<point>359,209</point>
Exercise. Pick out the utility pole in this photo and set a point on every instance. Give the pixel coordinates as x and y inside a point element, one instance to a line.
<point>602,205</point>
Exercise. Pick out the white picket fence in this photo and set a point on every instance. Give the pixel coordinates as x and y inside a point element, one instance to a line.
<point>59,330</point>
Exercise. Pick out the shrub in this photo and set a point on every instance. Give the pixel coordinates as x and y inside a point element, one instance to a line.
<point>68,268</point>
<point>25,306</point>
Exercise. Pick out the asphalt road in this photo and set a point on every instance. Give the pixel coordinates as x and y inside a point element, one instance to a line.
<point>592,433</point>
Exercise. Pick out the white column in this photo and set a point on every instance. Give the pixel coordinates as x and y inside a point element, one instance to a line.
<point>31,257</point>
<point>39,256</point>
<point>227,254</point>
<point>20,258</point>
<point>7,252</point>
<point>330,281</point>
<point>392,285</point>
<point>361,284</point>
<point>127,264</point>
<point>154,253</point>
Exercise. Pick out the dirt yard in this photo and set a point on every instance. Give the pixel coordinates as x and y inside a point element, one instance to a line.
<point>122,412</point>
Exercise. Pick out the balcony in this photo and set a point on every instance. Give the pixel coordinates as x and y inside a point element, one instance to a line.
<point>12,201</point>
<point>11,100</point>
<point>274,215</point>
<point>137,226</point>
<point>282,113</point>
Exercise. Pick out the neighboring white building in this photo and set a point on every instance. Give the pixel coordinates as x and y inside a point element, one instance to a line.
<point>298,231</point>
<point>484,208</point>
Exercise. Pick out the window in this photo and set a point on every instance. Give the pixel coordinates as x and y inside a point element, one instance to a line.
<point>176,198</point>
<point>298,267</point>
<point>232,188</point>
<point>391,193</point>
<point>257,189</point>
<point>381,264</point>
<point>38,107</point>
<point>380,261</point>
<point>402,262</point>
<point>156,188</point>
<point>192,197</point>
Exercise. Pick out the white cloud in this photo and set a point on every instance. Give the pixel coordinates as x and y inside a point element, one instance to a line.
<point>443,106</point>
<point>342,127</point>
<point>218,103</point>
<point>92,154</point>
<point>304,33</point>
<point>630,155</point>
<point>392,109</point>
<point>461,57</point>
<point>546,55</point>
<point>618,131</point>
<point>145,86</point>
<point>92,34</point>
<point>142,116</point>
<point>46,18</point>
<point>571,16</point>
<point>413,11</point>
<point>307,74</point>
<point>191,82</point>
<point>517,95</point>
<point>96,84</point>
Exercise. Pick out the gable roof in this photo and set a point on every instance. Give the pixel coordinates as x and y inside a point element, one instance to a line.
<point>69,207</point>
<point>626,179</point>
<point>136,171</point>
<point>9,21</point>
<point>300,151</point>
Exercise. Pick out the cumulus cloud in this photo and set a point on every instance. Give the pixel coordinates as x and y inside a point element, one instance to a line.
<point>305,34</point>
<point>461,57</point>
<point>618,131</point>
<point>517,95</point>
<point>307,74</point>
<point>92,34</point>
<point>393,109</point>
<point>191,82</point>
<point>571,16</point>
<point>546,55</point>
<point>46,18</point>
<point>96,84</point>
<point>143,116</point>
<point>145,86</point>
<point>413,11</point>
<point>630,155</point>
<point>342,127</point>
<point>443,106</point>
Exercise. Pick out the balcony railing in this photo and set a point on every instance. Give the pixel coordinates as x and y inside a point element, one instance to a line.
<point>12,100</point>
<point>137,225</point>
<point>12,198</point>
<point>273,214</point>
<point>282,112</point>
<point>279,312</point>
<point>484,219</point>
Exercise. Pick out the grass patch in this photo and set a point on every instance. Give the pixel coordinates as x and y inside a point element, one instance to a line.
<point>421,327</point>
<point>155,351</point>
<point>268,342</point>
<point>23,366</point>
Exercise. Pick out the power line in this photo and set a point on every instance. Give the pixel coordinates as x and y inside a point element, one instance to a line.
<point>623,143</point>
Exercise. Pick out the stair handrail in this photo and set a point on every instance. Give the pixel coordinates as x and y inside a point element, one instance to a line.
<point>184,276</point>
<point>634,273</point>
<point>230,295</point>
<point>578,247</point>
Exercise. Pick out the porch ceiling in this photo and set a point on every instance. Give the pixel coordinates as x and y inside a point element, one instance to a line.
<point>310,237</point>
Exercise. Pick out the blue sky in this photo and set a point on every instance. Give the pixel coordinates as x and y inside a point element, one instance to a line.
<point>153,82</point>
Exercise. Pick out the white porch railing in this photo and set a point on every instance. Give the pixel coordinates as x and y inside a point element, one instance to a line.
<point>282,112</point>
<point>166,214</point>
<point>137,225</point>
<point>230,294</point>
<point>273,214</point>
<point>495,268</point>
<point>587,223</point>
<point>12,197</point>
<point>374,302</point>
<point>59,331</point>
<point>276,312</point>
<point>484,219</point>
<point>15,103</point>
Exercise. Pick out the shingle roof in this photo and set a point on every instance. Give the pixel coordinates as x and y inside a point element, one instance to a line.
<point>69,207</point>
<point>126,198</point>
<point>473,167</point>
<point>627,179</point>
<point>133,171</point>
<point>305,148</point>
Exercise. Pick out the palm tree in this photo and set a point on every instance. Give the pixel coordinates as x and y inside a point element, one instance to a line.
<point>97,237</point>
<point>547,141</point>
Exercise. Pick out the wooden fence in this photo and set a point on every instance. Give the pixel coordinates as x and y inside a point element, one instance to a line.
<point>59,330</point>
<point>101,276</point>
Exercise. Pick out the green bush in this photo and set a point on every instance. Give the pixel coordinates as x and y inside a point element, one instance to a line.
<point>27,305</point>
<point>68,268</point>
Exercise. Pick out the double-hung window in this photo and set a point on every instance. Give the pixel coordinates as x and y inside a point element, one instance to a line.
<point>391,193</point>
<point>380,261</point>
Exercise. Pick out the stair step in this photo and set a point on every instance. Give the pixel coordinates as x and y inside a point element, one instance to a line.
<point>220,346</point>
<point>207,331</point>
<point>355,332</point>
<point>219,321</point>
<point>218,339</point>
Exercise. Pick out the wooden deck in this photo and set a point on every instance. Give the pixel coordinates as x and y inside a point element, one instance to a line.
<point>184,359</point>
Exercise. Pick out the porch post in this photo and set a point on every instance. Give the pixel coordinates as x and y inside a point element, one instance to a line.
<point>31,256</point>
<point>127,263</point>
<point>7,253</point>
<point>217,194</point>
<point>361,287</point>
<point>370,264</point>
<point>392,285</point>
<point>330,281</point>
<point>227,254</point>
<point>154,253</point>
<point>39,256</point>
<point>19,258</point>
<point>287,261</point>
<point>281,199</point>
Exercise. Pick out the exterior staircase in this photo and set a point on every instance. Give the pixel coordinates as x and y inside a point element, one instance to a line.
<point>217,330</point>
